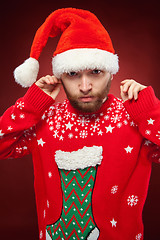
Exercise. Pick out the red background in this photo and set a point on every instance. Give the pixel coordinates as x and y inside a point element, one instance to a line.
<point>134,29</point>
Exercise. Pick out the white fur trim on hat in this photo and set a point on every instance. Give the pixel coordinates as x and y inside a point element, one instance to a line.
<point>26,73</point>
<point>82,158</point>
<point>84,58</point>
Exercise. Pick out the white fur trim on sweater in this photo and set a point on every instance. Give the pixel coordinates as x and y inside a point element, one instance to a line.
<point>94,234</point>
<point>82,158</point>
<point>26,73</point>
<point>84,58</point>
<point>47,236</point>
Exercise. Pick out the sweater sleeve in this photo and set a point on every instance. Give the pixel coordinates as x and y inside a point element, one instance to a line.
<point>146,113</point>
<point>17,124</point>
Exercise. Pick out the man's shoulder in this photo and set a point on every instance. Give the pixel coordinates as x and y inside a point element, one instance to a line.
<point>57,108</point>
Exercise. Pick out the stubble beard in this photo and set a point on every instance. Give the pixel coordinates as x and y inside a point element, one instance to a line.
<point>92,106</point>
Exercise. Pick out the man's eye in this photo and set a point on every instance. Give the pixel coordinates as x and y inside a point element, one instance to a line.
<point>96,71</point>
<point>71,74</point>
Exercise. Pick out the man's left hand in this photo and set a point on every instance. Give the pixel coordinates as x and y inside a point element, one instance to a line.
<point>130,88</point>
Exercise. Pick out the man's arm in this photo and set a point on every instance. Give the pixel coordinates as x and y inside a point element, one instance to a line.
<point>17,123</point>
<point>145,111</point>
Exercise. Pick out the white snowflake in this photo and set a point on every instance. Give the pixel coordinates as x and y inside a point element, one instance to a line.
<point>55,134</point>
<point>138,236</point>
<point>41,235</point>
<point>114,189</point>
<point>18,149</point>
<point>132,124</point>
<point>22,116</point>
<point>158,135</point>
<point>49,174</point>
<point>61,138</point>
<point>43,116</point>
<point>106,117</point>
<point>94,127</point>
<point>83,121</point>
<point>70,135</point>
<point>147,142</point>
<point>116,118</point>
<point>51,128</point>
<point>119,125</point>
<point>58,125</point>
<point>51,123</point>
<point>67,115</point>
<point>147,132</point>
<point>50,113</point>
<point>59,118</point>
<point>1,133</point>
<point>132,200</point>
<point>97,119</point>
<point>119,105</point>
<point>83,134</point>
<point>125,122</point>
<point>20,105</point>
<point>13,116</point>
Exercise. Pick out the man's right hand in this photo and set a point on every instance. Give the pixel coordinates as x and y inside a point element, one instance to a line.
<point>50,85</point>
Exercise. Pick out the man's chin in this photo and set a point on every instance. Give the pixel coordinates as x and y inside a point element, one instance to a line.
<point>87,107</point>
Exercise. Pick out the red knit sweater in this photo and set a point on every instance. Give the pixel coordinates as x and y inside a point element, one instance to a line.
<point>128,134</point>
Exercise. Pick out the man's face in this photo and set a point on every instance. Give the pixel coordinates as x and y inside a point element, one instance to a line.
<point>87,90</point>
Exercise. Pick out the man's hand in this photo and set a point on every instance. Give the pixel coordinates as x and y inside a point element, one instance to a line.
<point>50,85</point>
<point>130,88</point>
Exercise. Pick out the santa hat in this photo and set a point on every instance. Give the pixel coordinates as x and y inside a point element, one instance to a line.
<point>84,44</point>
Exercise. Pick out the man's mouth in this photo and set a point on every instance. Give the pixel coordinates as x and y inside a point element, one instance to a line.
<point>86,99</point>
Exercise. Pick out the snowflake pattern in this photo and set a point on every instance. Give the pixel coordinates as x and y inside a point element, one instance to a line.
<point>22,116</point>
<point>65,124</point>
<point>19,150</point>
<point>132,200</point>
<point>148,132</point>
<point>158,135</point>
<point>1,133</point>
<point>41,235</point>
<point>114,189</point>
<point>20,105</point>
<point>138,236</point>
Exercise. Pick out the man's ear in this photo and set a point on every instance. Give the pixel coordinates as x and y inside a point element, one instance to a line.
<point>111,76</point>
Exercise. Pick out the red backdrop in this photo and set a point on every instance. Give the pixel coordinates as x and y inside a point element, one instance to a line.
<point>134,29</point>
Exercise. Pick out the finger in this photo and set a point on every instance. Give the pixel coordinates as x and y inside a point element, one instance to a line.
<point>127,85</point>
<point>124,96</point>
<point>131,90</point>
<point>126,80</point>
<point>136,91</point>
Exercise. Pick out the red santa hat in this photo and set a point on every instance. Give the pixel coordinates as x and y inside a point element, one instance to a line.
<point>84,44</point>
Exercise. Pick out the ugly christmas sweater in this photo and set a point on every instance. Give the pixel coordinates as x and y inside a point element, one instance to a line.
<point>91,171</point>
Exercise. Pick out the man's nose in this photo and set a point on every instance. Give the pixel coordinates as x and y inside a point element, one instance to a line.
<point>85,84</point>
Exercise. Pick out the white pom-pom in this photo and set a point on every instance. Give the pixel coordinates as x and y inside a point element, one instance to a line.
<point>26,73</point>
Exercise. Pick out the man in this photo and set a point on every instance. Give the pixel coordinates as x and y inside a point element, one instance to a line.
<point>92,154</point>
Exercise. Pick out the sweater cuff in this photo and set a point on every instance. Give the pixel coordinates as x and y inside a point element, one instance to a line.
<point>146,102</point>
<point>38,99</point>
